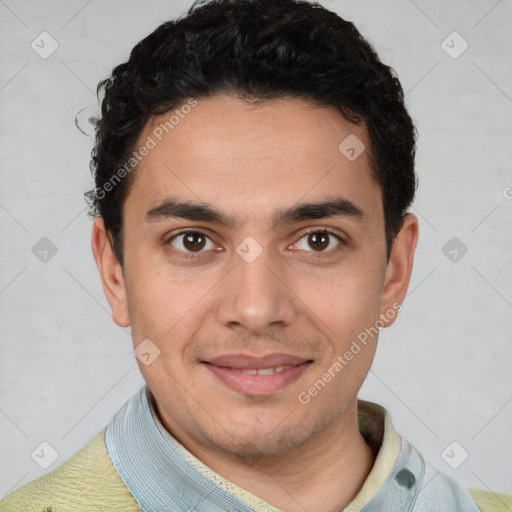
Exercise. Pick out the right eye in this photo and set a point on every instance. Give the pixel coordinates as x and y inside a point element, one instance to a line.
<point>191,242</point>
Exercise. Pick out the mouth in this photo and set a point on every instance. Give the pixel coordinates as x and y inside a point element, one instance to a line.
<point>257,375</point>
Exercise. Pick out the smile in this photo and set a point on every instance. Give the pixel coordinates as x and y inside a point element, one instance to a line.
<point>258,381</point>
<point>263,371</point>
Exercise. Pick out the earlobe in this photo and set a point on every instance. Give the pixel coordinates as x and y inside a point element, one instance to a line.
<point>399,269</point>
<point>111,275</point>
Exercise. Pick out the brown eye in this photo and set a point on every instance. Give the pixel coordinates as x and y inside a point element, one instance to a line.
<point>192,241</point>
<point>318,241</point>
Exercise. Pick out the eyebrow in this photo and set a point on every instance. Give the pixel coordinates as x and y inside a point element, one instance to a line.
<point>333,207</point>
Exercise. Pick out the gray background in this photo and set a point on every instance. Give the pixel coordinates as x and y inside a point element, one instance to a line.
<point>443,371</point>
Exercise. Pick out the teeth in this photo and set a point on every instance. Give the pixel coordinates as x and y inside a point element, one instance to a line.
<point>265,371</point>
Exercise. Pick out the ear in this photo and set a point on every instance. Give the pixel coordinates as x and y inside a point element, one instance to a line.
<point>111,274</point>
<point>398,271</point>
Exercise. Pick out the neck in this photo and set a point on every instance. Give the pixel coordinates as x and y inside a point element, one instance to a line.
<point>323,475</point>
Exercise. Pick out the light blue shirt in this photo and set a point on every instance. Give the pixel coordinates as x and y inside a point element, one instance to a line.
<point>153,467</point>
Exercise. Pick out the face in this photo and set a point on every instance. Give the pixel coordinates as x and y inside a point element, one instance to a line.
<point>254,256</point>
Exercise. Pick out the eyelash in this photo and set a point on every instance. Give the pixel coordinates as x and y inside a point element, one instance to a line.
<point>314,254</point>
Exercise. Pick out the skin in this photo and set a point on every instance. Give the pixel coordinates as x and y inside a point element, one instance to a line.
<point>250,162</point>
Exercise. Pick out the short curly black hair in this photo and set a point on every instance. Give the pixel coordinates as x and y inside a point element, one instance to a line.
<point>256,50</point>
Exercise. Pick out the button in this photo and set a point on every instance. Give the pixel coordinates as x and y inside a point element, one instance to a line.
<point>405,478</point>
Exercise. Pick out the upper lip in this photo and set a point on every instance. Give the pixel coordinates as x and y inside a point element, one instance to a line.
<point>249,362</point>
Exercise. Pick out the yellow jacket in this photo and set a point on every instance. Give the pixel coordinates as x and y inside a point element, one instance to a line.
<point>89,481</point>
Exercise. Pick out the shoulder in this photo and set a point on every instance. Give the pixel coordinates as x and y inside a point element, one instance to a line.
<point>87,481</point>
<point>442,493</point>
<point>490,501</point>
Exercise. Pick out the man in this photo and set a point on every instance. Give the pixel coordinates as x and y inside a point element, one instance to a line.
<point>254,165</point>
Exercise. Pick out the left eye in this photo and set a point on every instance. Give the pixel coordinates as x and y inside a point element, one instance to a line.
<point>318,241</point>
<point>192,241</point>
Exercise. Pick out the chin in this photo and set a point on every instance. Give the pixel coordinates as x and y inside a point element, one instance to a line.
<point>256,449</point>
<point>253,442</point>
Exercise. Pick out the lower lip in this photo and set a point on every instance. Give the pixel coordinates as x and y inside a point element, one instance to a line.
<point>255,384</point>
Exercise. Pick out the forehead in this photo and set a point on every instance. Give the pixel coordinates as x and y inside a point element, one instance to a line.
<point>253,158</point>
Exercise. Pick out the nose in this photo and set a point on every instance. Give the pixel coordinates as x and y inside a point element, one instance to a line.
<point>256,296</point>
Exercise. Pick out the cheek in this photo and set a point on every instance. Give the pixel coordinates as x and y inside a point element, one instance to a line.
<point>162,307</point>
<point>346,308</point>
<point>344,299</point>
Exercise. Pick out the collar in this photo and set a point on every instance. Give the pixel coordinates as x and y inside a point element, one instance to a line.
<point>162,475</point>
<point>153,468</point>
